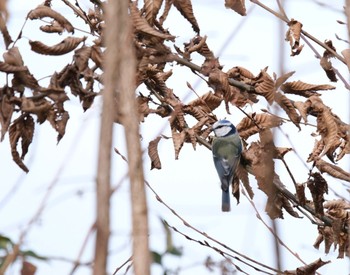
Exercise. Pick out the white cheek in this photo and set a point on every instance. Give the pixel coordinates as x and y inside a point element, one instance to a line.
<point>222,131</point>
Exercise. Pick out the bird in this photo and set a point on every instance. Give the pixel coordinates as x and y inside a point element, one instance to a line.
<point>226,149</point>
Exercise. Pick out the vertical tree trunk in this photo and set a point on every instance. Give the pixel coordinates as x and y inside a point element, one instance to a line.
<point>104,156</point>
<point>130,119</point>
<point>120,82</point>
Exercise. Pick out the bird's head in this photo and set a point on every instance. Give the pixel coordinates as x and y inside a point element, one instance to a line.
<point>223,128</point>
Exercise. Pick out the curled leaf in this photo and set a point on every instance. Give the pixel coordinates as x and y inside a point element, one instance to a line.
<point>8,68</point>
<point>178,140</point>
<point>153,153</point>
<point>65,46</point>
<point>6,111</point>
<point>293,36</point>
<point>151,9</point>
<point>81,58</point>
<point>265,86</point>
<point>44,11</point>
<point>21,129</point>
<point>289,108</point>
<point>236,5</point>
<point>141,24</point>
<point>185,8</point>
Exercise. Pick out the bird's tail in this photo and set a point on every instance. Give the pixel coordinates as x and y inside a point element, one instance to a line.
<point>225,205</point>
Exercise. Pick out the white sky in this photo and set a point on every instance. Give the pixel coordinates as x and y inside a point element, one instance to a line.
<point>189,185</point>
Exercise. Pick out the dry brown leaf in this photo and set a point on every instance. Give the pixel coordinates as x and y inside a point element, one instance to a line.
<point>289,108</point>
<point>185,8</point>
<point>309,269</point>
<point>151,9</point>
<point>260,157</point>
<point>178,140</point>
<point>304,89</point>
<point>22,129</point>
<point>8,68</point>
<point>280,152</point>
<point>218,80</point>
<point>6,111</point>
<point>81,58</point>
<point>318,187</point>
<point>167,7</point>
<point>207,102</point>
<point>54,27</point>
<point>246,127</point>
<point>242,174</point>
<point>153,153</point>
<point>316,151</point>
<point>265,86</point>
<point>65,46</point>
<point>302,108</point>
<point>300,193</point>
<point>42,11</point>
<point>141,24</point>
<point>96,56</point>
<point>28,268</point>
<point>338,211</point>
<point>328,129</point>
<point>3,28</point>
<point>326,63</point>
<point>344,147</point>
<point>332,170</point>
<point>58,120</point>
<point>38,107</point>
<point>13,57</point>
<point>293,36</point>
<point>143,108</point>
<point>279,81</point>
<point>240,74</point>
<point>236,5</point>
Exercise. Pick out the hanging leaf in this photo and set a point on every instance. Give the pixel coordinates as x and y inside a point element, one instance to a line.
<point>265,86</point>
<point>21,129</point>
<point>289,108</point>
<point>293,36</point>
<point>13,57</point>
<point>326,63</point>
<point>151,9</point>
<point>185,8</point>
<point>81,58</point>
<point>6,111</point>
<point>65,46</point>
<point>236,5</point>
<point>141,24</point>
<point>331,169</point>
<point>28,268</point>
<point>318,187</point>
<point>3,28</point>
<point>178,140</point>
<point>44,11</point>
<point>153,153</point>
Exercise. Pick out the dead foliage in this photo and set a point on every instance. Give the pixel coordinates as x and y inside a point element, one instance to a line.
<point>26,103</point>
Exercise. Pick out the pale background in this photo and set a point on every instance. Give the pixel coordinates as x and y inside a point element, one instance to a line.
<point>190,184</point>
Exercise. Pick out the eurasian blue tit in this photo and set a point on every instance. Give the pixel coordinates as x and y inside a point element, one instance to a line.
<point>227,149</point>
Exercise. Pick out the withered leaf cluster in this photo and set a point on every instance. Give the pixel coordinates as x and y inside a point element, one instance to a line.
<point>25,102</point>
